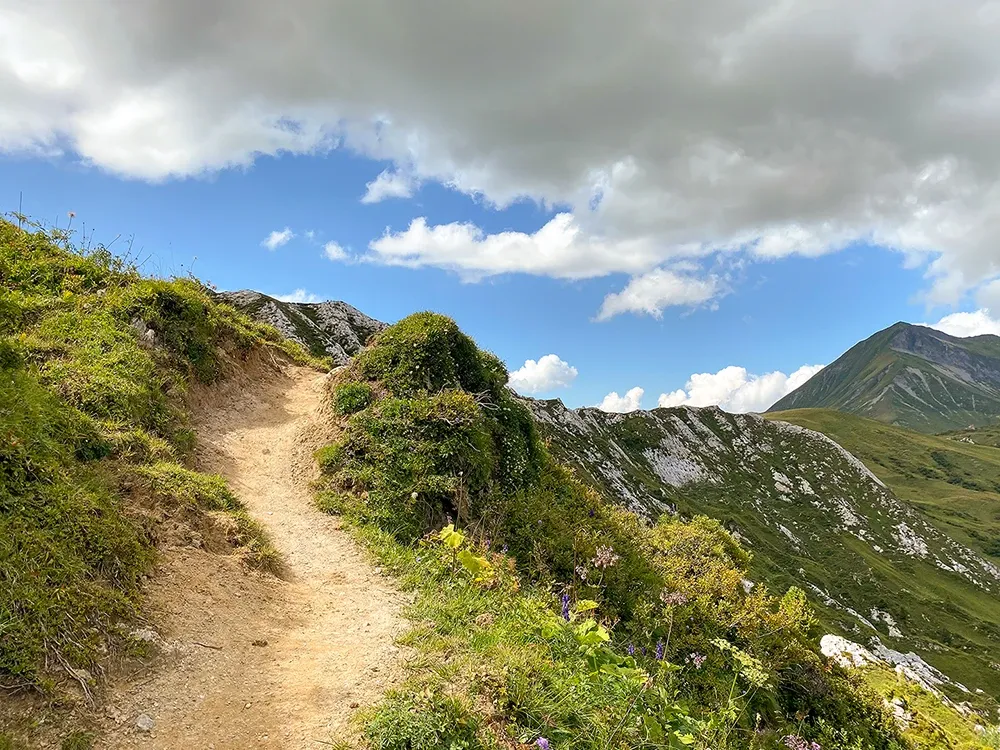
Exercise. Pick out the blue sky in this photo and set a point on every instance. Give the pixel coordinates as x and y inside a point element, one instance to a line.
<point>779,315</point>
<point>602,196</point>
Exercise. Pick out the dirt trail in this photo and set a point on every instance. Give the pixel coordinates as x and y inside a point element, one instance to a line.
<point>328,625</point>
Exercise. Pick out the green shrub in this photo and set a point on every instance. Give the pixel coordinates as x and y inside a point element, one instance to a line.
<point>351,397</point>
<point>405,721</point>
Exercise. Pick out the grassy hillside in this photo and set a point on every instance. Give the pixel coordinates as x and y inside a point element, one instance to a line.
<point>910,376</point>
<point>987,435</point>
<point>94,363</point>
<point>812,515</point>
<point>955,484</point>
<point>544,614</point>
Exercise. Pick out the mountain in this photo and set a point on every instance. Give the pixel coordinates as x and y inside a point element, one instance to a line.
<point>327,329</point>
<point>880,570</point>
<point>911,376</point>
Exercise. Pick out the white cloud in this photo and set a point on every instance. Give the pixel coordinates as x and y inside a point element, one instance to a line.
<point>334,251</point>
<point>560,248</point>
<point>547,374</point>
<point>989,295</point>
<point>300,295</point>
<point>277,238</point>
<point>734,389</point>
<point>704,137</point>
<point>389,184</point>
<point>968,323</point>
<point>631,401</point>
<point>650,293</point>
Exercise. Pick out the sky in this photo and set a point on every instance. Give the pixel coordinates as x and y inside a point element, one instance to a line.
<point>632,203</point>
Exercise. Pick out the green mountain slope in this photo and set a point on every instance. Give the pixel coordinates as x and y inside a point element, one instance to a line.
<point>911,376</point>
<point>882,572</point>
<point>954,483</point>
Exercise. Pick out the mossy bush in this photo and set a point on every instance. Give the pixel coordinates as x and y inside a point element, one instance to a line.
<point>604,631</point>
<point>349,398</point>
<point>94,360</point>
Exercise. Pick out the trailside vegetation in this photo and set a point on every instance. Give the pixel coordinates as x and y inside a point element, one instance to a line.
<point>94,361</point>
<point>544,615</point>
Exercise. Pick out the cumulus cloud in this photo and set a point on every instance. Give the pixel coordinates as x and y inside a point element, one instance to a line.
<point>277,238</point>
<point>734,389</point>
<point>300,295</point>
<point>968,323</point>
<point>631,401</point>
<point>660,288</point>
<point>334,251</point>
<point>547,374</point>
<point>772,128</point>
<point>389,184</point>
<point>560,249</point>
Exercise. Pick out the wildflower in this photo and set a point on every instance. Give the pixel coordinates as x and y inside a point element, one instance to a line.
<point>794,742</point>
<point>504,549</point>
<point>542,743</point>
<point>565,606</point>
<point>672,598</point>
<point>486,544</point>
<point>605,558</point>
<point>630,650</point>
<point>696,659</point>
<point>582,572</point>
<point>660,646</point>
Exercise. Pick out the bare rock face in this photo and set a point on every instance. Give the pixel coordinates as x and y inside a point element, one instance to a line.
<point>327,329</point>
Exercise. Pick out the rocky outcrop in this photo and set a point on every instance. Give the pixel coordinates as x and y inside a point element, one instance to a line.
<point>327,329</point>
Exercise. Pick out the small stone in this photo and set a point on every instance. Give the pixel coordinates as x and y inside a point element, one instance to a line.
<point>259,642</point>
<point>145,723</point>
<point>248,705</point>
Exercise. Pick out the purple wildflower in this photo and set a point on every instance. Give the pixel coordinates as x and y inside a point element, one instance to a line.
<point>486,543</point>
<point>696,659</point>
<point>630,650</point>
<point>660,646</point>
<point>542,743</point>
<point>565,606</point>
<point>504,549</point>
<point>794,742</point>
<point>605,558</point>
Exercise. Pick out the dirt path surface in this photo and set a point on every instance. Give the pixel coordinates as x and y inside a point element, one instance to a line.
<point>254,661</point>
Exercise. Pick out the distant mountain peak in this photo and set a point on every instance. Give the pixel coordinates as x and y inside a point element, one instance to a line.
<point>912,376</point>
<point>327,329</point>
